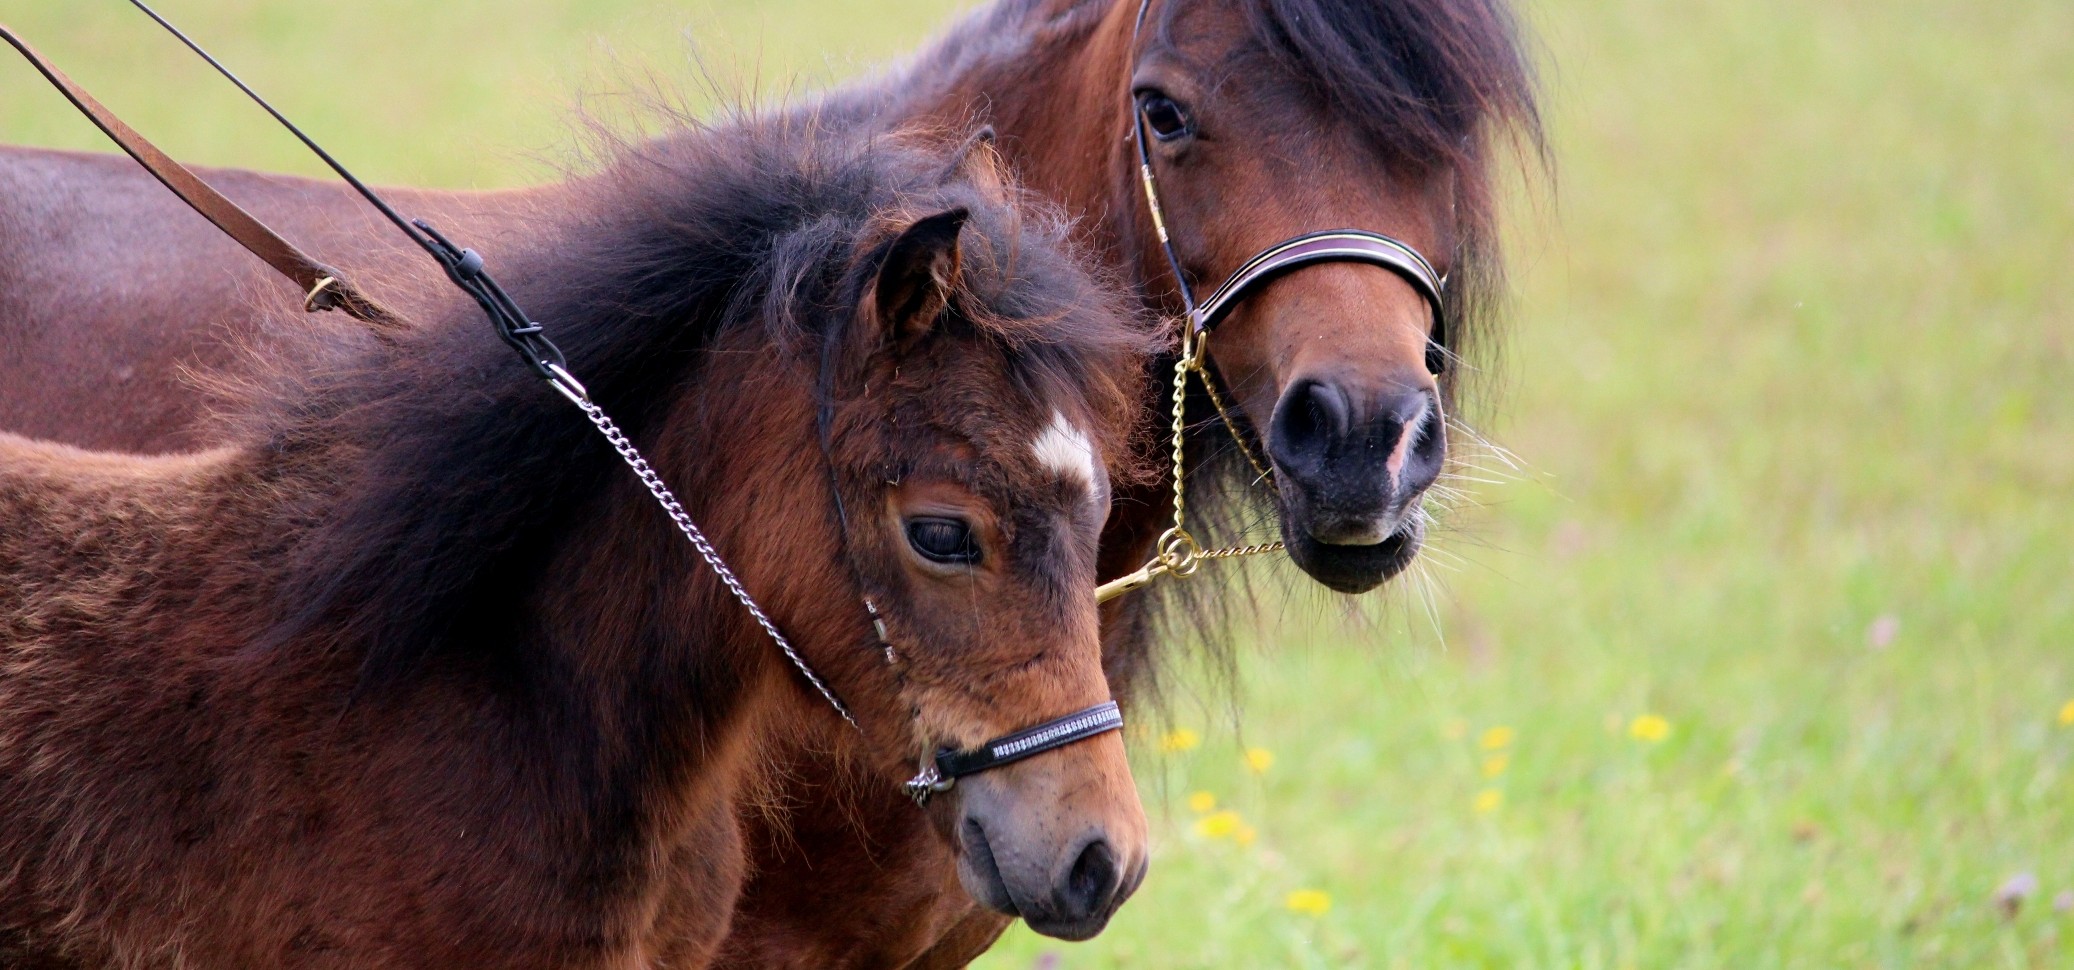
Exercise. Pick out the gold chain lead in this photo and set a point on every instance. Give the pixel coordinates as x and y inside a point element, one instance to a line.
<point>1176,552</point>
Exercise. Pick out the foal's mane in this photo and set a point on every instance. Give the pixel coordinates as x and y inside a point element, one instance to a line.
<point>469,469</point>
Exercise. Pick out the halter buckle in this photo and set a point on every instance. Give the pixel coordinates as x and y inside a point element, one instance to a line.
<point>929,783</point>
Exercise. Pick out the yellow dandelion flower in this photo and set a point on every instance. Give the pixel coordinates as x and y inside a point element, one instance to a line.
<point>1310,902</point>
<point>1496,764</point>
<point>1201,802</point>
<point>1260,760</point>
<point>1488,800</point>
<point>1497,737</point>
<point>1218,825</point>
<point>1649,727</point>
<point>1180,739</point>
<point>1245,835</point>
<point>2067,714</point>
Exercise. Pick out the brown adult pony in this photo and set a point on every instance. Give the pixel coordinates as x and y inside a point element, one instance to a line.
<point>422,678</point>
<point>1296,115</point>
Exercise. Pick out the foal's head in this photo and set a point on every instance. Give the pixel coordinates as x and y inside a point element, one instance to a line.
<point>881,385</point>
<point>969,446</point>
<point>902,443</point>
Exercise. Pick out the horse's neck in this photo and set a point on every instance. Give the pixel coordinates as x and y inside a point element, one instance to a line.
<point>130,592</point>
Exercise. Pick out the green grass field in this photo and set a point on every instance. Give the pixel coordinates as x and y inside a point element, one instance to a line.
<point>1757,660</point>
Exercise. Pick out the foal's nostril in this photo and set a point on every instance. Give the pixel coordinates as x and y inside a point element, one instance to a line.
<point>1091,883</point>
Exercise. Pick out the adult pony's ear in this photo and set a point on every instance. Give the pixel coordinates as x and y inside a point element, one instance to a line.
<point>978,162</point>
<point>916,279</point>
<point>980,147</point>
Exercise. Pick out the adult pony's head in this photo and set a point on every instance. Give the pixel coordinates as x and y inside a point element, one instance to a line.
<point>885,388</point>
<point>1267,120</point>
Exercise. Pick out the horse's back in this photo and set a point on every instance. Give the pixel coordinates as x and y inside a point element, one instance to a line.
<point>114,295</point>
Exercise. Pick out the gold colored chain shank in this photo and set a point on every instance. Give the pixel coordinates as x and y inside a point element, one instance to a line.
<point>1178,554</point>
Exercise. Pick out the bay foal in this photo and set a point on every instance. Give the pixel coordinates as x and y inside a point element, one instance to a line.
<point>420,677</point>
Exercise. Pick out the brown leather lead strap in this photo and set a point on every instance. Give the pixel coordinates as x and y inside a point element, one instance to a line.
<point>325,288</point>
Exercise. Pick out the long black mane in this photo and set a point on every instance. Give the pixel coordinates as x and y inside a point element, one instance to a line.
<point>472,468</point>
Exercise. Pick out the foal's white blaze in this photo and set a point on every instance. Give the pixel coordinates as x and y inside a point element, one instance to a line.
<point>1065,449</point>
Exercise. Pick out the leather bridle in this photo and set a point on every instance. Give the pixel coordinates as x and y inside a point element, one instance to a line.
<point>1177,552</point>
<point>326,289</point>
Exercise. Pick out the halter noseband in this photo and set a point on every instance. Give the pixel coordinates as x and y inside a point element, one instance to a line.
<point>942,772</point>
<point>1330,246</point>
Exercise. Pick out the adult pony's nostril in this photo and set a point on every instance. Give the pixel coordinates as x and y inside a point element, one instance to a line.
<point>1308,420</point>
<point>1091,883</point>
<point>1427,450</point>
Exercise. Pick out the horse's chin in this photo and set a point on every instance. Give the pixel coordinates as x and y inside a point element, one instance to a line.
<point>1353,568</point>
<point>981,875</point>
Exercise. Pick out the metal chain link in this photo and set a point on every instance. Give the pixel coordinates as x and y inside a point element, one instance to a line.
<point>1182,365</point>
<point>1176,552</point>
<point>1217,400</point>
<point>671,507</point>
<point>1234,552</point>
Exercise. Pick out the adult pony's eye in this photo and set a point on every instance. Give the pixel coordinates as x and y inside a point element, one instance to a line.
<point>1164,116</point>
<point>947,541</point>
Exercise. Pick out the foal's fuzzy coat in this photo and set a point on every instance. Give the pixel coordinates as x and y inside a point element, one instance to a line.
<point>423,679</point>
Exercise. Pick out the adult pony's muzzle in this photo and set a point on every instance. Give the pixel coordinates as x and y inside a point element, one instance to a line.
<point>1055,840</point>
<point>1351,466</point>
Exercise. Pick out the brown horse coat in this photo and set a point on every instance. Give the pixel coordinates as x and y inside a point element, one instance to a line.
<point>421,678</point>
<point>1314,127</point>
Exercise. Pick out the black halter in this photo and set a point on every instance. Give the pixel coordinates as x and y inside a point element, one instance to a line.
<point>948,766</point>
<point>1329,246</point>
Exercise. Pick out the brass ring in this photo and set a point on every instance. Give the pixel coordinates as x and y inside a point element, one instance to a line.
<point>309,303</point>
<point>1179,553</point>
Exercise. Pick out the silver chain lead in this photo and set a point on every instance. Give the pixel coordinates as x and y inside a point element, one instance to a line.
<point>668,500</point>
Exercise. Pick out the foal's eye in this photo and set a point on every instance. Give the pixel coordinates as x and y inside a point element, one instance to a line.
<point>1164,116</point>
<point>946,541</point>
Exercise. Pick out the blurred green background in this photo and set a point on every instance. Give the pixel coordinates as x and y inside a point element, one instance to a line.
<point>1763,653</point>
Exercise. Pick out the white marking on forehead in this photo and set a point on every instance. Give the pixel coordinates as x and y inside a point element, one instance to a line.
<point>1065,449</point>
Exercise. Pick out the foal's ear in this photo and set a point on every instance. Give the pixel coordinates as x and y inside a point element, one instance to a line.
<point>915,281</point>
<point>978,162</point>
